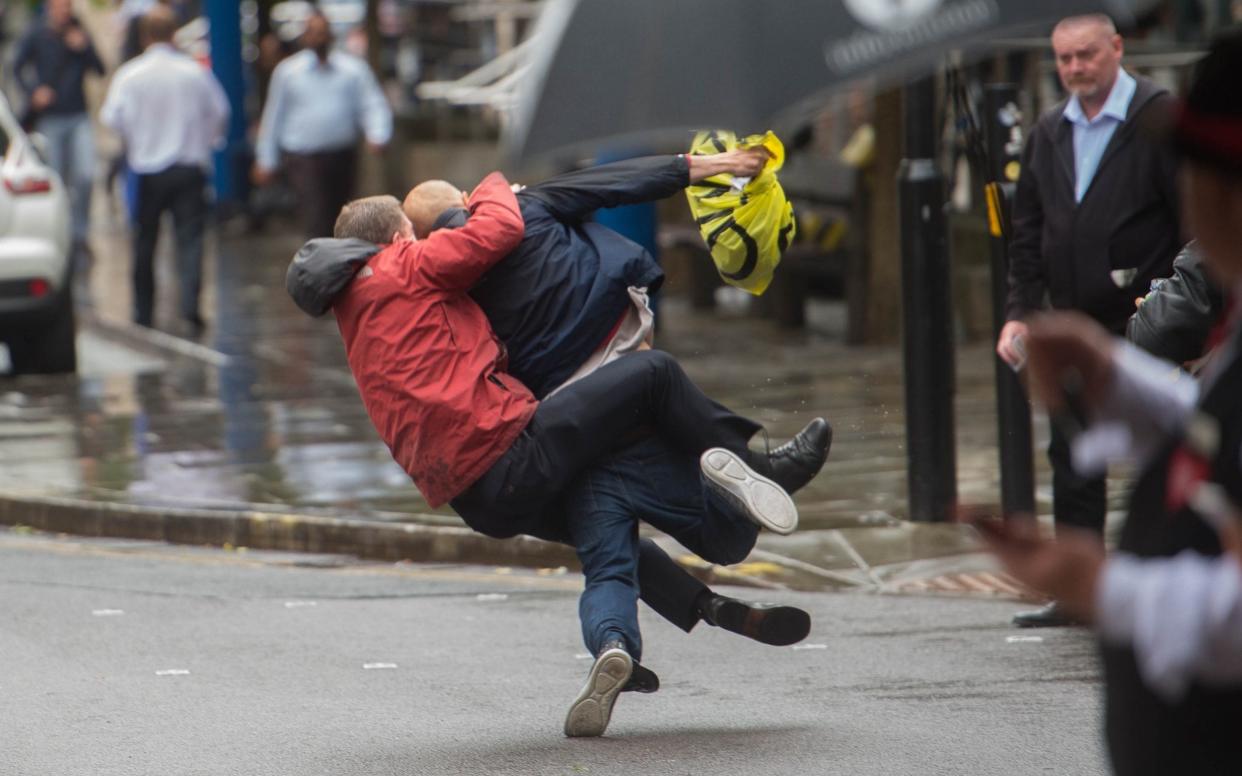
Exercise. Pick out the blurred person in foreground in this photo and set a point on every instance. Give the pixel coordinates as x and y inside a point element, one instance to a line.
<point>1095,219</point>
<point>1176,318</point>
<point>51,64</point>
<point>320,101</point>
<point>171,114</point>
<point>1168,604</point>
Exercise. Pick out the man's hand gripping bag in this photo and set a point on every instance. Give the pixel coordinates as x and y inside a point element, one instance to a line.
<point>746,224</point>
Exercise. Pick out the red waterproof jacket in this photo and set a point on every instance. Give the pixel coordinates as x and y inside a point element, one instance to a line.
<point>429,367</point>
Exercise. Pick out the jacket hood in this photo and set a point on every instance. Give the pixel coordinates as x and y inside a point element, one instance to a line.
<point>453,218</point>
<point>322,269</point>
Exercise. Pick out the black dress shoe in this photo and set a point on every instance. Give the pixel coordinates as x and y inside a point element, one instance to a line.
<point>771,624</point>
<point>1047,616</point>
<point>796,462</point>
<point>643,679</point>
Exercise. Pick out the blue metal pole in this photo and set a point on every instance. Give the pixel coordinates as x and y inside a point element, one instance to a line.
<point>225,36</point>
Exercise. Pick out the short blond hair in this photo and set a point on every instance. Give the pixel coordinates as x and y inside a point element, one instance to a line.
<point>1101,19</point>
<point>426,201</point>
<point>374,219</point>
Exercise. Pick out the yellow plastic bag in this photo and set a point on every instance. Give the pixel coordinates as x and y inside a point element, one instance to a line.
<point>746,227</point>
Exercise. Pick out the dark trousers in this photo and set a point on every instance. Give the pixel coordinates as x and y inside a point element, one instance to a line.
<point>179,190</point>
<point>323,182</point>
<point>651,482</point>
<point>670,590</point>
<point>1077,501</point>
<point>582,424</point>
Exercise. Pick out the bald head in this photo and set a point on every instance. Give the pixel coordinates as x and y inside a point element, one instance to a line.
<point>1088,53</point>
<point>426,201</point>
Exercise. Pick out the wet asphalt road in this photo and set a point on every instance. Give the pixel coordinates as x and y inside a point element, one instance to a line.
<point>134,658</point>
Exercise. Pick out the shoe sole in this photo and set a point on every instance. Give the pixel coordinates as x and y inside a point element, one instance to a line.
<point>777,626</point>
<point>592,709</point>
<point>764,502</point>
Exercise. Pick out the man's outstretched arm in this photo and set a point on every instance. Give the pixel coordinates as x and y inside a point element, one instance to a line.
<point>575,195</point>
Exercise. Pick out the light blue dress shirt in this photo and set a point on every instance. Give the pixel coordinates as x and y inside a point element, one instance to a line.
<point>313,106</point>
<point>1091,137</point>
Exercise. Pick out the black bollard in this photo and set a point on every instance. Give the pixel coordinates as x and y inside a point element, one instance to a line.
<point>927,315</point>
<point>1002,125</point>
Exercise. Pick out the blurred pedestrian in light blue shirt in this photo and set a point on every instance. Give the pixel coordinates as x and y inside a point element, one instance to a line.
<point>319,103</point>
<point>1091,135</point>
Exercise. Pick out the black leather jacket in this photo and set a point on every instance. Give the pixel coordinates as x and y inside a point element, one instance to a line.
<point>1174,321</point>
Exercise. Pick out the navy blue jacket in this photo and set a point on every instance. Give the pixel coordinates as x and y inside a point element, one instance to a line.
<point>555,299</point>
<point>43,59</point>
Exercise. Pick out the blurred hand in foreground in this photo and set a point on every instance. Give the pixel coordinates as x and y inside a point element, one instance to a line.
<point>1066,569</point>
<point>1065,342</point>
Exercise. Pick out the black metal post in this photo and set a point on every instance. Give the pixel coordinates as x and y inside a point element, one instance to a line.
<point>927,310</point>
<point>1013,411</point>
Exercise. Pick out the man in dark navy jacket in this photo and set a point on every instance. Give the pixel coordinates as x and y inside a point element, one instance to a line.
<point>560,295</point>
<point>570,298</point>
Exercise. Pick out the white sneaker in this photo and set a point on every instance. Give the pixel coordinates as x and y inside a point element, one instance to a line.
<point>763,501</point>
<point>592,709</point>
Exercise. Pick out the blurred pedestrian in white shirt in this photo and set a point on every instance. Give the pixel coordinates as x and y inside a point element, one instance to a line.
<point>171,114</point>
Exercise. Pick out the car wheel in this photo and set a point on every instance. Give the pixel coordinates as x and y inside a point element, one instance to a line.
<point>52,348</point>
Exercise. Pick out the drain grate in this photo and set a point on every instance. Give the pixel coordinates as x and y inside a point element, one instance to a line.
<point>991,584</point>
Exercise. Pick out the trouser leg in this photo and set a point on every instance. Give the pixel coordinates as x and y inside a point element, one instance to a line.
<point>1077,501</point>
<point>302,172</point>
<point>56,131</point>
<point>323,182</point>
<point>189,210</point>
<point>663,487</point>
<point>150,205</point>
<point>338,173</point>
<point>670,590</point>
<point>579,426</point>
<point>80,175</point>
<point>604,532</point>
<point>667,491</point>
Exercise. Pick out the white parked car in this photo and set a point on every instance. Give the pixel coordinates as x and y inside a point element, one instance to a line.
<point>36,302</point>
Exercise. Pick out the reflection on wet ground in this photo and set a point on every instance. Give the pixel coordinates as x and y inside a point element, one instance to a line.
<point>278,425</point>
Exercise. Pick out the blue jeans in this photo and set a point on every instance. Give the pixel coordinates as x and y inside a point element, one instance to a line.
<point>71,152</point>
<point>652,482</point>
